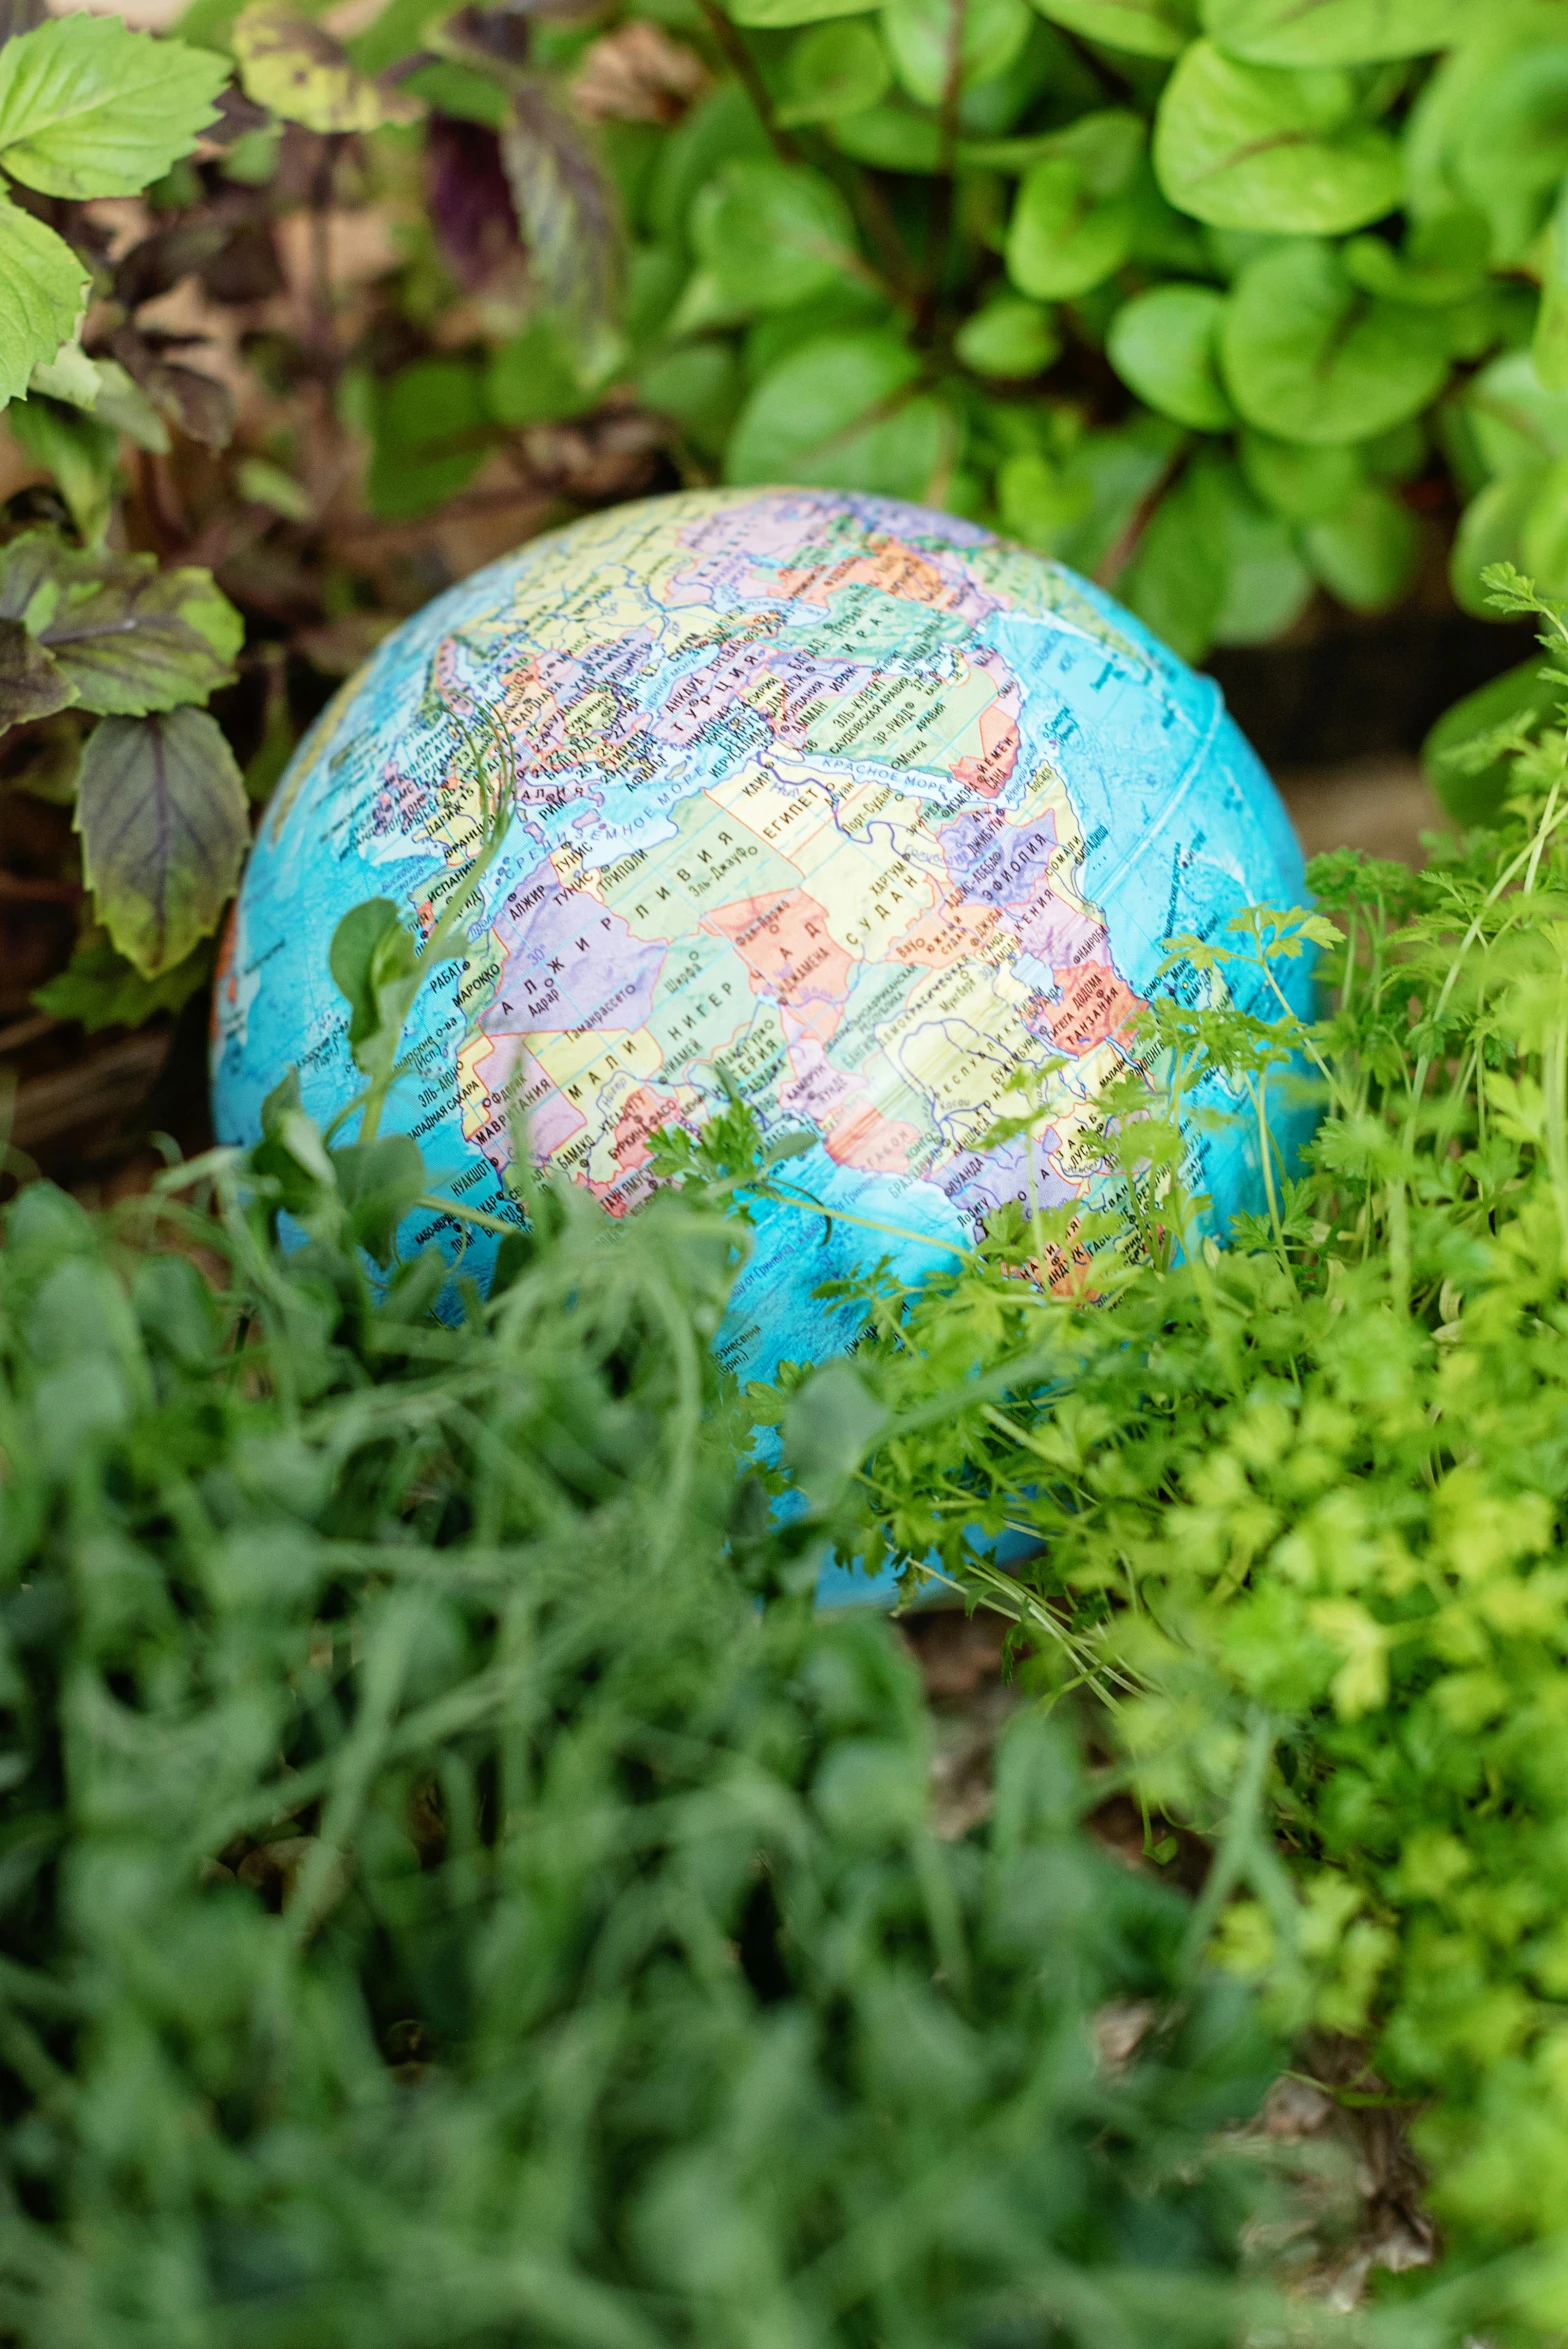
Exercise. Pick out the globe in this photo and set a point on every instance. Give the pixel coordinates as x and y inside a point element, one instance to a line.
<point>844,808</point>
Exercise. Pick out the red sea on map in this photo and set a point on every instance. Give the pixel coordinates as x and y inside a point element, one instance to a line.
<point>850,805</point>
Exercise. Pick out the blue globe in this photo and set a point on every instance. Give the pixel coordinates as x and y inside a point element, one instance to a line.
<point>849,806</point>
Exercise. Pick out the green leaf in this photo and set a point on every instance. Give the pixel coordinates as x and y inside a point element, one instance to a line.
<point>1253,147</point>
<point>129,637</point>
<point>70,376</point>
<point>1514,419</point>
<point>1303,483</point>
<point>163,818</point>
<point>430,430</point>
<point>698,387</point>
<point>1008,338</point>
<point>1213,566</point>
<point>1149,28</point>
<point>31,686</point>
<point>1075,218</point>
<point>78,450</point>
<point>1549,348</point>
<point>1474,795</point>
<point>124,404</point>
<point>298,72</point>
<point>532,379</point>
<point>1366,553</point>
<point>1444,261</point>
<point>835,69</point>
<point>1306,356</point>
<point>1543,536</point>
<point>920,35</point>
<point>771,234</point>
<point>1491,127</point>
<point>42,290</point>
<point>379,1183</point>
<point>841,409</point>
<point>1163,345</point>
<point>101,989</point>
<point>374,960</point>
<point>1336,32</point>
<point>893,137</point>
<point>830,1424</point>
<point>770,15</point>
<point>88,108</point>
<point>266,484</point>
<point>1491,530</point>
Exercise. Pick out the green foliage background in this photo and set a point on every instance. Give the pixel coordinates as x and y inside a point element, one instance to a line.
<point>1300,1505</point>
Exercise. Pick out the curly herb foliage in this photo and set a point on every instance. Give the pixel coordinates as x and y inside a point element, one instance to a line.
<point>1302,1504</point>
<point>441,1908</point>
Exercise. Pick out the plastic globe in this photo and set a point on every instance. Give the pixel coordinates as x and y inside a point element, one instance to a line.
<point>849,808</point>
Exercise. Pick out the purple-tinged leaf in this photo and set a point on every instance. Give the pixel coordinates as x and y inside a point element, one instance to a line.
<point>470,200</point>
<point>162,813</point>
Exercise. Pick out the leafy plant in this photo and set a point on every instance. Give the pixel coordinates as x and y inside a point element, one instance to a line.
<point>1299,1507</point>
<point>441,1906</point>
<point>1216,304</point>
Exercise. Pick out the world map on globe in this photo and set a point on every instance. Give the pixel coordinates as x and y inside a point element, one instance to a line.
<point>839,805</point>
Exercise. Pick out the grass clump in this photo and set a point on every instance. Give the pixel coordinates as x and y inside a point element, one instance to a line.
<point>1301,1511</point>
<point>442,1907</point>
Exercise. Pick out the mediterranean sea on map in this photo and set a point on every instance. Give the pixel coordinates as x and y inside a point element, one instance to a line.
<point>852,805</point>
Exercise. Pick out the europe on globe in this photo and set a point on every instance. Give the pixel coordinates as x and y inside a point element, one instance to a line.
<point>846,806</point>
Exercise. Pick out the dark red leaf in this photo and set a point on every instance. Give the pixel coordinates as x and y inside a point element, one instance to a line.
<point>470,201</point>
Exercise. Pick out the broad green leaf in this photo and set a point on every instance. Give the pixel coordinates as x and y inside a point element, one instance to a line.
<point>31,685</point>
<point>890,138</point>
<point>378,1183</point>
<point>430,431</point>
<point>1549,349</point>
<point>1149,28</point>
<point>1543,536</point>
<point>532,380</point>
<point>1491,126</point>
<point>42,289</point>
<point>829,1426</point>
<point>1491,530</point>
<point>771,14</point>
<point>1213,566</point>
<point>1255,147</point>
<point>374,960</point>
<point>78,450</point>
<point>1075,218</point>
<point>70,376</point>
<point>1267,585</point>
<point>1366,553</point>
<point>835,69</point>
<point>88,108</point>
<point>698,387</point>
<point>266,484</point>
<point>1061,241</point>
<point>101,989</point>
<point>1475,796</point>
<point>128,637</point>
<point>1037,501</point>
<point>842,409</point>
<point>1008,338</point>
<point>163,818</point>
<point>1163,345</point>
<point>771,234</point>
<point>920,35</point>
<point>297,71</point>
<point>1306,356</point>
<point>1179,577</point>
<point>1444,261</point>
<point>1303,483</point>
<point>1514,418</point>
<point>1336,32</point>
<point>1085,505</point>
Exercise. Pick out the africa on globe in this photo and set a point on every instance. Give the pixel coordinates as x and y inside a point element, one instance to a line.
<point>846,806</point>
